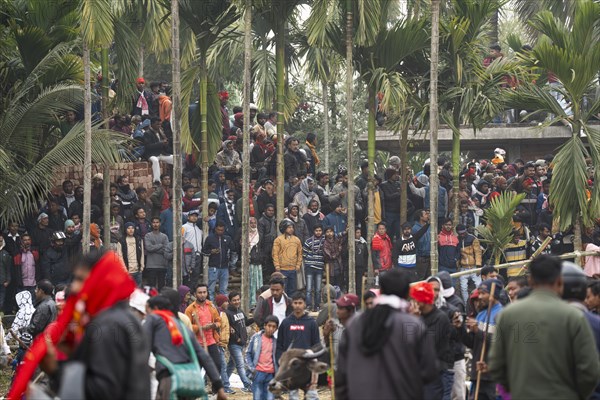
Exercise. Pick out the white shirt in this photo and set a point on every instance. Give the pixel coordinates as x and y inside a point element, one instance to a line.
<point>193,234</point>
<point>279,310</point>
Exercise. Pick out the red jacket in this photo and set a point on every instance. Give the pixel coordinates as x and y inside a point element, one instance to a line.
<point>382,246</point>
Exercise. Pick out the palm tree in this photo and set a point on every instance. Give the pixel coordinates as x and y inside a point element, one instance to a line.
<point>433,126</point>
<point>572,53</point>
<point>206,19</point>
<point>176,130</point>
<point>472,93</point>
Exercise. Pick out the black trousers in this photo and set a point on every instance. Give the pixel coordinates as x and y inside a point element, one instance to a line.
<point>155,277</point>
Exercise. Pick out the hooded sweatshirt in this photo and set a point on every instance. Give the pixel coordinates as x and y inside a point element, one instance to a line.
<point>238,321</point>
<point>287,253</point>
<point>449,252</point>
<point>405,249</point>
<point>297,333</point>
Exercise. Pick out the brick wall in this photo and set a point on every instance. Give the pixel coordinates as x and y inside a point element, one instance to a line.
<point>139,173</point>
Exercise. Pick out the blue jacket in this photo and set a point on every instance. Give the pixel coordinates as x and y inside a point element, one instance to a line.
<point>253,351</point>
<point>221,259</point>
<point>442,200</point>
<point>424,243</point>
<point>338,222</point>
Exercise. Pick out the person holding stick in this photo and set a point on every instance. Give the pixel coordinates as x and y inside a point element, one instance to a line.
<point>553,353</point>
<point>477,333</point>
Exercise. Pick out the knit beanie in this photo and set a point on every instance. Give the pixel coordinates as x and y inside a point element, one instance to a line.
<point>220,299</point>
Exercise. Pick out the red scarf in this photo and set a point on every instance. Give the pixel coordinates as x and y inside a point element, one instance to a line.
<point>167,316</point>
<point>107,284</point>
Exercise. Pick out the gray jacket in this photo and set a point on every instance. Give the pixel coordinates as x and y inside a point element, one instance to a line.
<point>155,245</point>
<point>45,312</point>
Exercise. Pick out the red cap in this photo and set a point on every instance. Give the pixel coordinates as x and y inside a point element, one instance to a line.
<point>348,300</point>
<point>422,292</point>
<point>475,294</point>
<point>223,95</point>
<point>232,137</point>
<point>140,80</point>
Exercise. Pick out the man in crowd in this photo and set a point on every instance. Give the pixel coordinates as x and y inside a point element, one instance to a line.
<point>156,245</point>
<point>526,368</point>
<point>218,247</point>
<point>470,257</point>
<point>41,234</point>
<point>295,162</point>
<point>287,254</point>
<point>404,253</point>
<point>390,190</point>
<point>45,308</point>
<point>55,264</point>
<point>26,266</point>
<point>6,266</point>
<point>193,235</point>
<point>206,323</point>
<point>238,321</point>
<point>277,303</point>
<point>423,244</point>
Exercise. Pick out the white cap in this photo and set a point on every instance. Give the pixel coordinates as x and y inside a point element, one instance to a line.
<point>138,300</point>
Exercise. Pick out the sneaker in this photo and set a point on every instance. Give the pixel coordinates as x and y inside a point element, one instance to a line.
<point>229,391</point>
<point>246,390</point>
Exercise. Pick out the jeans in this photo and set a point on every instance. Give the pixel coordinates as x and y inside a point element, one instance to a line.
<point>233,260</point>
<point>256,281</point>
<point>447,383</point>
<point>290,281</point>
<point>464,284</point>
<point>434,390</point>
<point>156,165</point>
<point>314,278</point>
<point>214,275</point>
<point>224,375</point>
<point>392,220</point>
<point>236,356</point>
<point>260,386</point>
<point>137,277</point>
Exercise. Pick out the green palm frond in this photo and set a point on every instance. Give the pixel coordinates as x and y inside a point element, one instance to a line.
<point>22,188</point>
<point>570,171</point>
<point>97,22</point>
<point>126,50</point>
<point>497,232</point>
<point>23,119</point>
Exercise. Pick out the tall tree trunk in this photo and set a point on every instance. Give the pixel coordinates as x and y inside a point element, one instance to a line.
<point>141,61</point>
<point>333,102</point>
<point>176,130</point>
<point>325,96</point>
<point>87,149</point>
<point>372,132</point>
<point>433,124</point>
<point>106,171</point>
<point>577,240</point>
<point>350,147</point>
<point>494,26</point>
<point>403,169</point>
<point>455,164</point>
<point>280,66</point>
<point>246,157</point>
<point>204,151</point>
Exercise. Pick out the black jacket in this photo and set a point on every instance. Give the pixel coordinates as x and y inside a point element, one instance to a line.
<point>6,266</point>
<point>264,308</point>
<point>263,199</point>
<point>268,233</point>
<point>55,266</point>
<point>390,192</point>
<point>295,164</point>
<point>115,352</point>
<point>238,321</point>
<point>225,246</point>
<point>138,252</point>
<point>45,312</point>
<point>438,326</point>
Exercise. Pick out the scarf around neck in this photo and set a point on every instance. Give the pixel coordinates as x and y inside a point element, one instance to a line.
<point>313,150</point>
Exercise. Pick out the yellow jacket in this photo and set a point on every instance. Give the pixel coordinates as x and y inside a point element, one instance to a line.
<point>287,253</point>
<point>224,332</point>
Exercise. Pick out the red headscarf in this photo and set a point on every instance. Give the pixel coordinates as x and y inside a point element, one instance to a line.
<point>107,284</point>
<point>422,292</point>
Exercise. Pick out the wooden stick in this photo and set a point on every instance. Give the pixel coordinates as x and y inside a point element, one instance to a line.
<point>363,291</point>
<point>545,244</point>
<point>485,333</point>
<point>331,355</point>
<point>201,331</point>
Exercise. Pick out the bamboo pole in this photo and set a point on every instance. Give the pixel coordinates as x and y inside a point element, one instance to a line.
<point>545,244</point>
<point>527,262</point>
<point>485,333</point>
<point>331,355</point>
<point>177,160</point>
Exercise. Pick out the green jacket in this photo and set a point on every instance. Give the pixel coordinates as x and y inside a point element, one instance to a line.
<point>544,349</point>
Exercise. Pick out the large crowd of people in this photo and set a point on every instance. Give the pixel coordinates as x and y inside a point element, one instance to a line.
<point>42,268</point>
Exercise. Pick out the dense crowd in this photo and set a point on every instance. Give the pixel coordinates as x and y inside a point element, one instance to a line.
<point>41,268</point>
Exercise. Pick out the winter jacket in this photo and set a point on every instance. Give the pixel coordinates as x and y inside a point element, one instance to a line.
<point>438,326</point>
<point>338,188</point>
<point>390,194</point>
<point>338,222</point>
<point>287,253</point>
<point>382,252</point>
<point>267,231</point>
<point>155,245</point>
<point>404,253</point>
<point>300,229</point>
<point>55,266</point>
<point>449,252</point>
<point>442,201</point>
<point>220,259</point>
<point>262,200</point>
<point>297,333</point>
<point>312,220</point>
<point>361,256</point>
<point>18,271</point>
<point>398,371</point>
<point>117,363</point>
<point>231,225</point>
<point>254,348</point>
<point>424,243</point>
<point>225,331</point>
<point>470,252</point>
<point>312,252</point>
<point>238,321</point>
<point>295,164</point>
<point>139,253</point>
<point>211,334</point>
<point>264,307</point>
<point>45,312</point>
